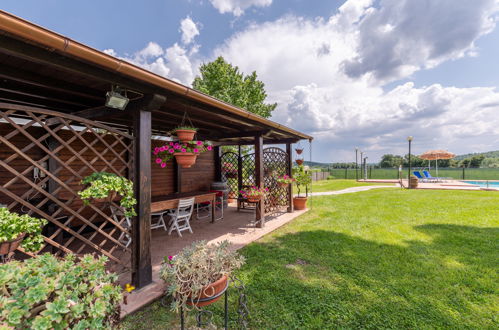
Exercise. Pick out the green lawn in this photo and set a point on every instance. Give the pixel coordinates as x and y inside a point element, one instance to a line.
<point>330,185</point>
<point>385,258</point>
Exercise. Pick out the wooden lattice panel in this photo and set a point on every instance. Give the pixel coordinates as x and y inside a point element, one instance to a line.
<point>275,164</point>
<point>229,165</point>
<point>63,149</point>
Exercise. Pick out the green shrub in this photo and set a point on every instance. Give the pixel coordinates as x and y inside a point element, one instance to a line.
<point>12,225</point>
<point>331,177</point>
<point>50,293</point>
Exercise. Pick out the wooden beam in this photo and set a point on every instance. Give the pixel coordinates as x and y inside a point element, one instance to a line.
<point>49,83</point>
<point>260,210</point>
<point>289,161</point>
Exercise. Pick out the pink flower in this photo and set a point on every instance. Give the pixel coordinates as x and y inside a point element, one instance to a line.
<point>209,147</point>
<point>171,143</point>
<point>199,143</point>
<point>170,257</point>
<point>163,165</point>
<point>196,150</point>
<point>171,151</point>
<point>183,150</point>
<point>156,149</point>
<point>158,160</point>
<point>177,146</point>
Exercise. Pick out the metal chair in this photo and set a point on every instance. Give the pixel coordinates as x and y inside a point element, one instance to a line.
<point>180,219</point>
<point>116,214</point>
<point>206,206</point>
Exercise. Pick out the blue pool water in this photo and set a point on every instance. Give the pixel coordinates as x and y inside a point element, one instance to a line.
<point>492,184</point>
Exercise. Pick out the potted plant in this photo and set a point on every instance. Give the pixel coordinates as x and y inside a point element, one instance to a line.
<point>229,170</point>
<point>303,180</point>
<point>254,194</point>
<point>299,162</point>
<point>198,275</point>
<point>18,230</point>
<point>185,133</point>
<point>104,186</point>
<point>284,180</point>
<point>184,153</point>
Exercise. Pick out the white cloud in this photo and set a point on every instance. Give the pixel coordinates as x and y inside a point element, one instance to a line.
<point>328,76</point>
<point>237,7</point>
<point>189,30</point>
<point>403,36</point>
<point>177,62</point>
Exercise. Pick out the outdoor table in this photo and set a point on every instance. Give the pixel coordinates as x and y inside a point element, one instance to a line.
<point>169,202</point>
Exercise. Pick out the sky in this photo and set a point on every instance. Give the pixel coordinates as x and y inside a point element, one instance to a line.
<point>355,73</point>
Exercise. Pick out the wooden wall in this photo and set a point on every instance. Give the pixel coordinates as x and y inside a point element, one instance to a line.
<point>201,175</point>
<point>198,177</point>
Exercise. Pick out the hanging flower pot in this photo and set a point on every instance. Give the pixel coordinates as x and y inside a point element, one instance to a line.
<point>299,151</point>
<point>185,159</point>
<point>10,246</point>
<point>111,197</point>
<point>282,184</point>
<point>284,181</point>
<point>185,134</point>
<point>185,153</point>
<point>299,161</point>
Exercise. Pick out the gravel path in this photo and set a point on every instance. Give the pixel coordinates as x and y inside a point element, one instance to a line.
<point>351,190</point>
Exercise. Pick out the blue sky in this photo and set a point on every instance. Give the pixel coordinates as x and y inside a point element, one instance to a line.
<point>352,73</point>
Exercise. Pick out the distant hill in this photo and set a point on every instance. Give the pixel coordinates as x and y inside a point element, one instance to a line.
<point>488,154</point>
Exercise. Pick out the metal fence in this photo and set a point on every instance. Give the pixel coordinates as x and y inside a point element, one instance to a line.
<point>392,173</point>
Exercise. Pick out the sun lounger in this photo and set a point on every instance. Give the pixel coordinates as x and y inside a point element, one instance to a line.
<point>436,179</point>
<point>420,177</point>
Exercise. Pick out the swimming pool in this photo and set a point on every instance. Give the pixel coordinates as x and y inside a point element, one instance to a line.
<point>483,184</point>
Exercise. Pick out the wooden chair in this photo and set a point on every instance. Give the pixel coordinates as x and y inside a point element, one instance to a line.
<point>161,219</point>
<point>180,220</point>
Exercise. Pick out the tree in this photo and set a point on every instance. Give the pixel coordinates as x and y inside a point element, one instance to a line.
<point>390,161</point>
<point>224,82</point>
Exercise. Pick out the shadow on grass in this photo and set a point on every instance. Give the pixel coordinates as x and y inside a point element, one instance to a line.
<point>326,280</point>
<point>321,279</point>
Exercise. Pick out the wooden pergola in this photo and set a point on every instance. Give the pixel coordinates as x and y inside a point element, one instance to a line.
<point>52,94</point>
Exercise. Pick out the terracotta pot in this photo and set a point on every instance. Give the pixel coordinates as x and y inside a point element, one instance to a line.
<point>10,246</point>
<point>300,203</point>
<point>185,159</point>
<point>185,135</point>
<point>231,175</point>
<point>254,199</point>
<point>299,161</point>
<point>299,151</point>
<point>282,184</point>
<point>111,197</point>
<point>211,293</point>
<point>413,182</point>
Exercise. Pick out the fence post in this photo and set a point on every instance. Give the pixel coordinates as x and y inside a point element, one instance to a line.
<point>463,174</point>
<point>370,172</point>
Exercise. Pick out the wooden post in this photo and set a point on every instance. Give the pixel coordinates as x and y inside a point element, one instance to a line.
<point>239,171</point>
<point>259,180</point>
<point>289,160</point>
<point>141,224</point>
<point>218,163</point>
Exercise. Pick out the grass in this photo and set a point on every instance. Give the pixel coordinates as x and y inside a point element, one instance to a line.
<point>331,185</point>
<point>385,258</point>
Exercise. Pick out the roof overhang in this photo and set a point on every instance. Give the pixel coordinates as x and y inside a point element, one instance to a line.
<point>40,62</point>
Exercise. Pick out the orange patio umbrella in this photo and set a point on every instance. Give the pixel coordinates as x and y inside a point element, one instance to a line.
<point>436,155</point>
